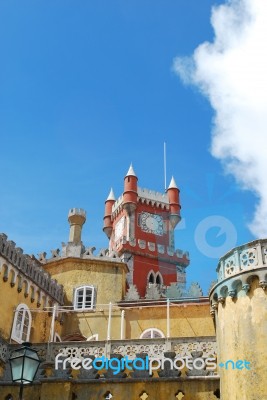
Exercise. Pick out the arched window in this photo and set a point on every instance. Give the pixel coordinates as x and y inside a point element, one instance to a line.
<point>152,333</point>
<point>151,278</point>
<point>159,279</point>
<point>84,298</point>
<point>21,324</point>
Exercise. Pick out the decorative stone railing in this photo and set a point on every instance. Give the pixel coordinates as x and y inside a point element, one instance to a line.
<point>202,347</point>
<point>27,266</point>
<point>237,269</point>
<point>249,257</point>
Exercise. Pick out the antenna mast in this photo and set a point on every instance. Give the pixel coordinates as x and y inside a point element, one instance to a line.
<point>164,157</point>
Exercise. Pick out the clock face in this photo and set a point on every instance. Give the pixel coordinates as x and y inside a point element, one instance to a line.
<point>151,223</point>
<point>119,228</point>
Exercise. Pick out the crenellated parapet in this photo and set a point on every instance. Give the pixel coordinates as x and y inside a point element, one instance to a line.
<point>79,251</point>
<point>158,199</point>
<point>237,269</point>
<point>27,270</point>
<point>144,196</point>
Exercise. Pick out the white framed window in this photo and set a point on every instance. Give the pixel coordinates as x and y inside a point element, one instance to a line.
<point>21,324</point>
<point>84,298</point>
<point>152,333</point>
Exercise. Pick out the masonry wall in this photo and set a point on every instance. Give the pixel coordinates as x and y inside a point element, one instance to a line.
<point>186,320</point>
<point>183,389</point>
<point>241,326</point>
<point>109,279</point>
<point>11,295</point>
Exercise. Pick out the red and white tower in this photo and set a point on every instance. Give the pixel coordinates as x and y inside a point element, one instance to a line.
<point>140,226</point>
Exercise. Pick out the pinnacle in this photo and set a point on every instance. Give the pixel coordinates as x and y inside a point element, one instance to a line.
<point>131,171</point>
<point>172,184</point>
<point>111,195</point>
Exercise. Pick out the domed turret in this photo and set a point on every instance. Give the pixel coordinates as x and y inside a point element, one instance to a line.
<point>130,191</point>
<point>174,201</point>
<point>108,212</point>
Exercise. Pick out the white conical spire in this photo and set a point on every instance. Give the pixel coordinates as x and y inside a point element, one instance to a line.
<point>172,184</point>
<point>111,195</point>
<point>131,171</point>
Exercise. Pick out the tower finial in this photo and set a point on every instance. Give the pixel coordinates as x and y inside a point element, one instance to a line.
<point>131,171</point>
<point>172,184</point>
<point>111,195</point>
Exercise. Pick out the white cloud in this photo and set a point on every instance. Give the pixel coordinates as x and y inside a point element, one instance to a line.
<point>232,73</point>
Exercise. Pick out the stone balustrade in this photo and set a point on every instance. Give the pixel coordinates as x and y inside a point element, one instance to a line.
<point>201,347</point>
<point>244,258</point>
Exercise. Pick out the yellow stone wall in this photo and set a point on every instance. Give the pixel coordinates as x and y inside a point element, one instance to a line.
<point>197,389</point>
<point>10,298</point>
<point>108,277</point>
<point>186,320</point>
<point>241,326</point>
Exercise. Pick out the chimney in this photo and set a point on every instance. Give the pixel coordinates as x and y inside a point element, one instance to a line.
<point>76,218</point>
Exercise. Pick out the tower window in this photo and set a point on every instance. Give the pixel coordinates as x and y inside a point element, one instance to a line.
<point>85,298</point>
<point>21,324</point>
<point>151,277</point>
<point>159,279</point>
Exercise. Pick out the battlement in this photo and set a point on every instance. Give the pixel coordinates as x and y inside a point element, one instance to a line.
<point>117,204</point>
<point>79,251</point>
<point>28,266</point>
<point>153,195</point>
<point>146,196</point>
<point>77,211</point>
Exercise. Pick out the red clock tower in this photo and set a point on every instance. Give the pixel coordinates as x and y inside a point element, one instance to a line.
<point>140,227</point>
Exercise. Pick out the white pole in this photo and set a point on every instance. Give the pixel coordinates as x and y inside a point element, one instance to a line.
<point>122,324</point>
<point>168,318</point>
<point>109,320</point>
<point>52,330</point>
<point>165,178</point>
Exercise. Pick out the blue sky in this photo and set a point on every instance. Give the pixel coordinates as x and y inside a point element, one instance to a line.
<point>86,88</point>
